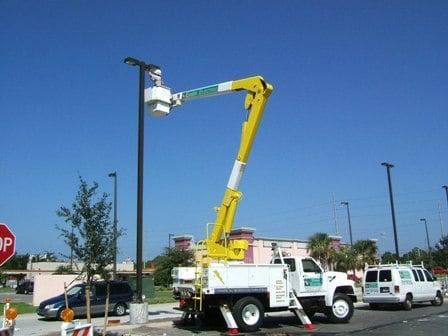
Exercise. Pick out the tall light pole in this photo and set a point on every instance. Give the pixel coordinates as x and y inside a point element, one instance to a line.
<point>114,269</point>
<point>392,208</point>
<point>349,221</point>
<point>141,126</point>
<point>427,239</point>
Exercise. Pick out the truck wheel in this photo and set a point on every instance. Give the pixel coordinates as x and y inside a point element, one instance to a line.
<point>342,309</point>
<point>407,304</point>
<point>248,313</point>
<point>438,301</point>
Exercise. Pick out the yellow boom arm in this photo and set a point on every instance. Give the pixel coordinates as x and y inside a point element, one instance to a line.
<point>258,91</point>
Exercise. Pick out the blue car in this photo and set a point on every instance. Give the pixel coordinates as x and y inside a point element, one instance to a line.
<point>119,299</point>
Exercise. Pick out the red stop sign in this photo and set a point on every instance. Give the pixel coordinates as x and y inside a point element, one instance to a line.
<point>7,243</point>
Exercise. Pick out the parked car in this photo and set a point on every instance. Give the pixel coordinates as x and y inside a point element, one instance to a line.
<point>119,299</point>
<point>400,284</point>
<point>439,270</point>
<point>25,287</point>
<point>354,278</point>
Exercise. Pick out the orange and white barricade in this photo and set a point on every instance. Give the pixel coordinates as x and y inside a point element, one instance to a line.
<point>9,319</point>
<point>72,329</point>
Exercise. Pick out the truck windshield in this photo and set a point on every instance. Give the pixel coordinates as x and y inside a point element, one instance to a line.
<point>309,266</point>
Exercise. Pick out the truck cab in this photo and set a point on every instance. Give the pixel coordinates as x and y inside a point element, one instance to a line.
<point>330,293</point>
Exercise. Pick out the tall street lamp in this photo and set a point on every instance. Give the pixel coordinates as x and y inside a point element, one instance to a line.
<point>392,208</point>
<point>427,238</point>
<point>141,123</point>
<point>114,270</point>
<point>349,221</point>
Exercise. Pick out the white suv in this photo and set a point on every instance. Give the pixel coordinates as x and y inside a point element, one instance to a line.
<point>400,284</point>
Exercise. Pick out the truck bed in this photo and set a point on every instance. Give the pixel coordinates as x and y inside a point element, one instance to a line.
<point>238,278</point>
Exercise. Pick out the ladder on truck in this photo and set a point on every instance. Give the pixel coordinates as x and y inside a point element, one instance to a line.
<point>294,304</point>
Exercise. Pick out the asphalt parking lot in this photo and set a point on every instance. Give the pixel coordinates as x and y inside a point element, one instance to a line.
<point>421,320</point>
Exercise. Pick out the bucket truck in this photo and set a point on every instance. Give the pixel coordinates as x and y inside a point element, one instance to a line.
<point>221,283</point>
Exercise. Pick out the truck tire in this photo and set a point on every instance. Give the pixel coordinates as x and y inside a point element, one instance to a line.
<point>342,309</point>
<point>407,304</point>
<point>248,313</point>
<point>438,301</point>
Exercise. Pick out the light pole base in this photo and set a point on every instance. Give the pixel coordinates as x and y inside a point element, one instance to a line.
<point>138,313</point>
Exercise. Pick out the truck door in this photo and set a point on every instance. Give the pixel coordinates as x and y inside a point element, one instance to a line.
<point>385,282</point>
<point>293,275</point>
<point>417,292</point>
<point>311,276</point>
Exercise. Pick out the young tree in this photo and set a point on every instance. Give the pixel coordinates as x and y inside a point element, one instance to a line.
<point>165,262</point>
<point>90,232</point>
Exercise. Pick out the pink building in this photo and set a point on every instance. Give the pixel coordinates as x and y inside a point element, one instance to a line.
<point>260,248</point>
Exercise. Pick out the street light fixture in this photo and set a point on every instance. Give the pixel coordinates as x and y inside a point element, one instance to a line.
<point>392,208</point>
<point>141,123</point>
<point>114,269</point>
<point>349,221</point>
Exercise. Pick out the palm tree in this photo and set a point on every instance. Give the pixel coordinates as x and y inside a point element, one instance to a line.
<point>366,253</point>
<point>344,259</point>
<point>319,247</point>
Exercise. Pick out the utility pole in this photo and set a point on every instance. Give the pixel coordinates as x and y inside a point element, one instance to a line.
<point>382,237</point>
<point>392,208</point>
<point>349,222</point>
<point>439,207</point>
<point>427,240</point>
<point>335,216</point>
<point>446,193</point>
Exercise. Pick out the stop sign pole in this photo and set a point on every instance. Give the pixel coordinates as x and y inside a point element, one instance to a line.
<point>7,243</point>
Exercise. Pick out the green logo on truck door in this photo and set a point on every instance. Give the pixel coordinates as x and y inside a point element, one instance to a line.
<point>313,282</point>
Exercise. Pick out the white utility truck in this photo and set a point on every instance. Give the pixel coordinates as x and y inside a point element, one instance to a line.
<point>250,290</point>
<point>221,281</point>
<point>401,284</point>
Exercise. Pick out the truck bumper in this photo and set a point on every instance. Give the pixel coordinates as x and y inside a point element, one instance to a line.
<point>381,299</point>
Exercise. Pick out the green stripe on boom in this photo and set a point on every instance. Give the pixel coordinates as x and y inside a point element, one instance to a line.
<point>201,91</point>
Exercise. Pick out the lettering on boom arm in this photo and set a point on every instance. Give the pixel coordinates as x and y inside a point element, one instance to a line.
<point>202,91</point>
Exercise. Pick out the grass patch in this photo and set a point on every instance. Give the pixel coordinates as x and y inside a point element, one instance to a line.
<point>162,296</point>
<point>22,308</point>
<point>7,290</point>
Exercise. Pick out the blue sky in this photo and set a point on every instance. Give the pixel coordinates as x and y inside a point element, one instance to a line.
<point>356,83</point>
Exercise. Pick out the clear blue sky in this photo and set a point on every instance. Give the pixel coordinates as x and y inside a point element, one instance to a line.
<point>356,83</point>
